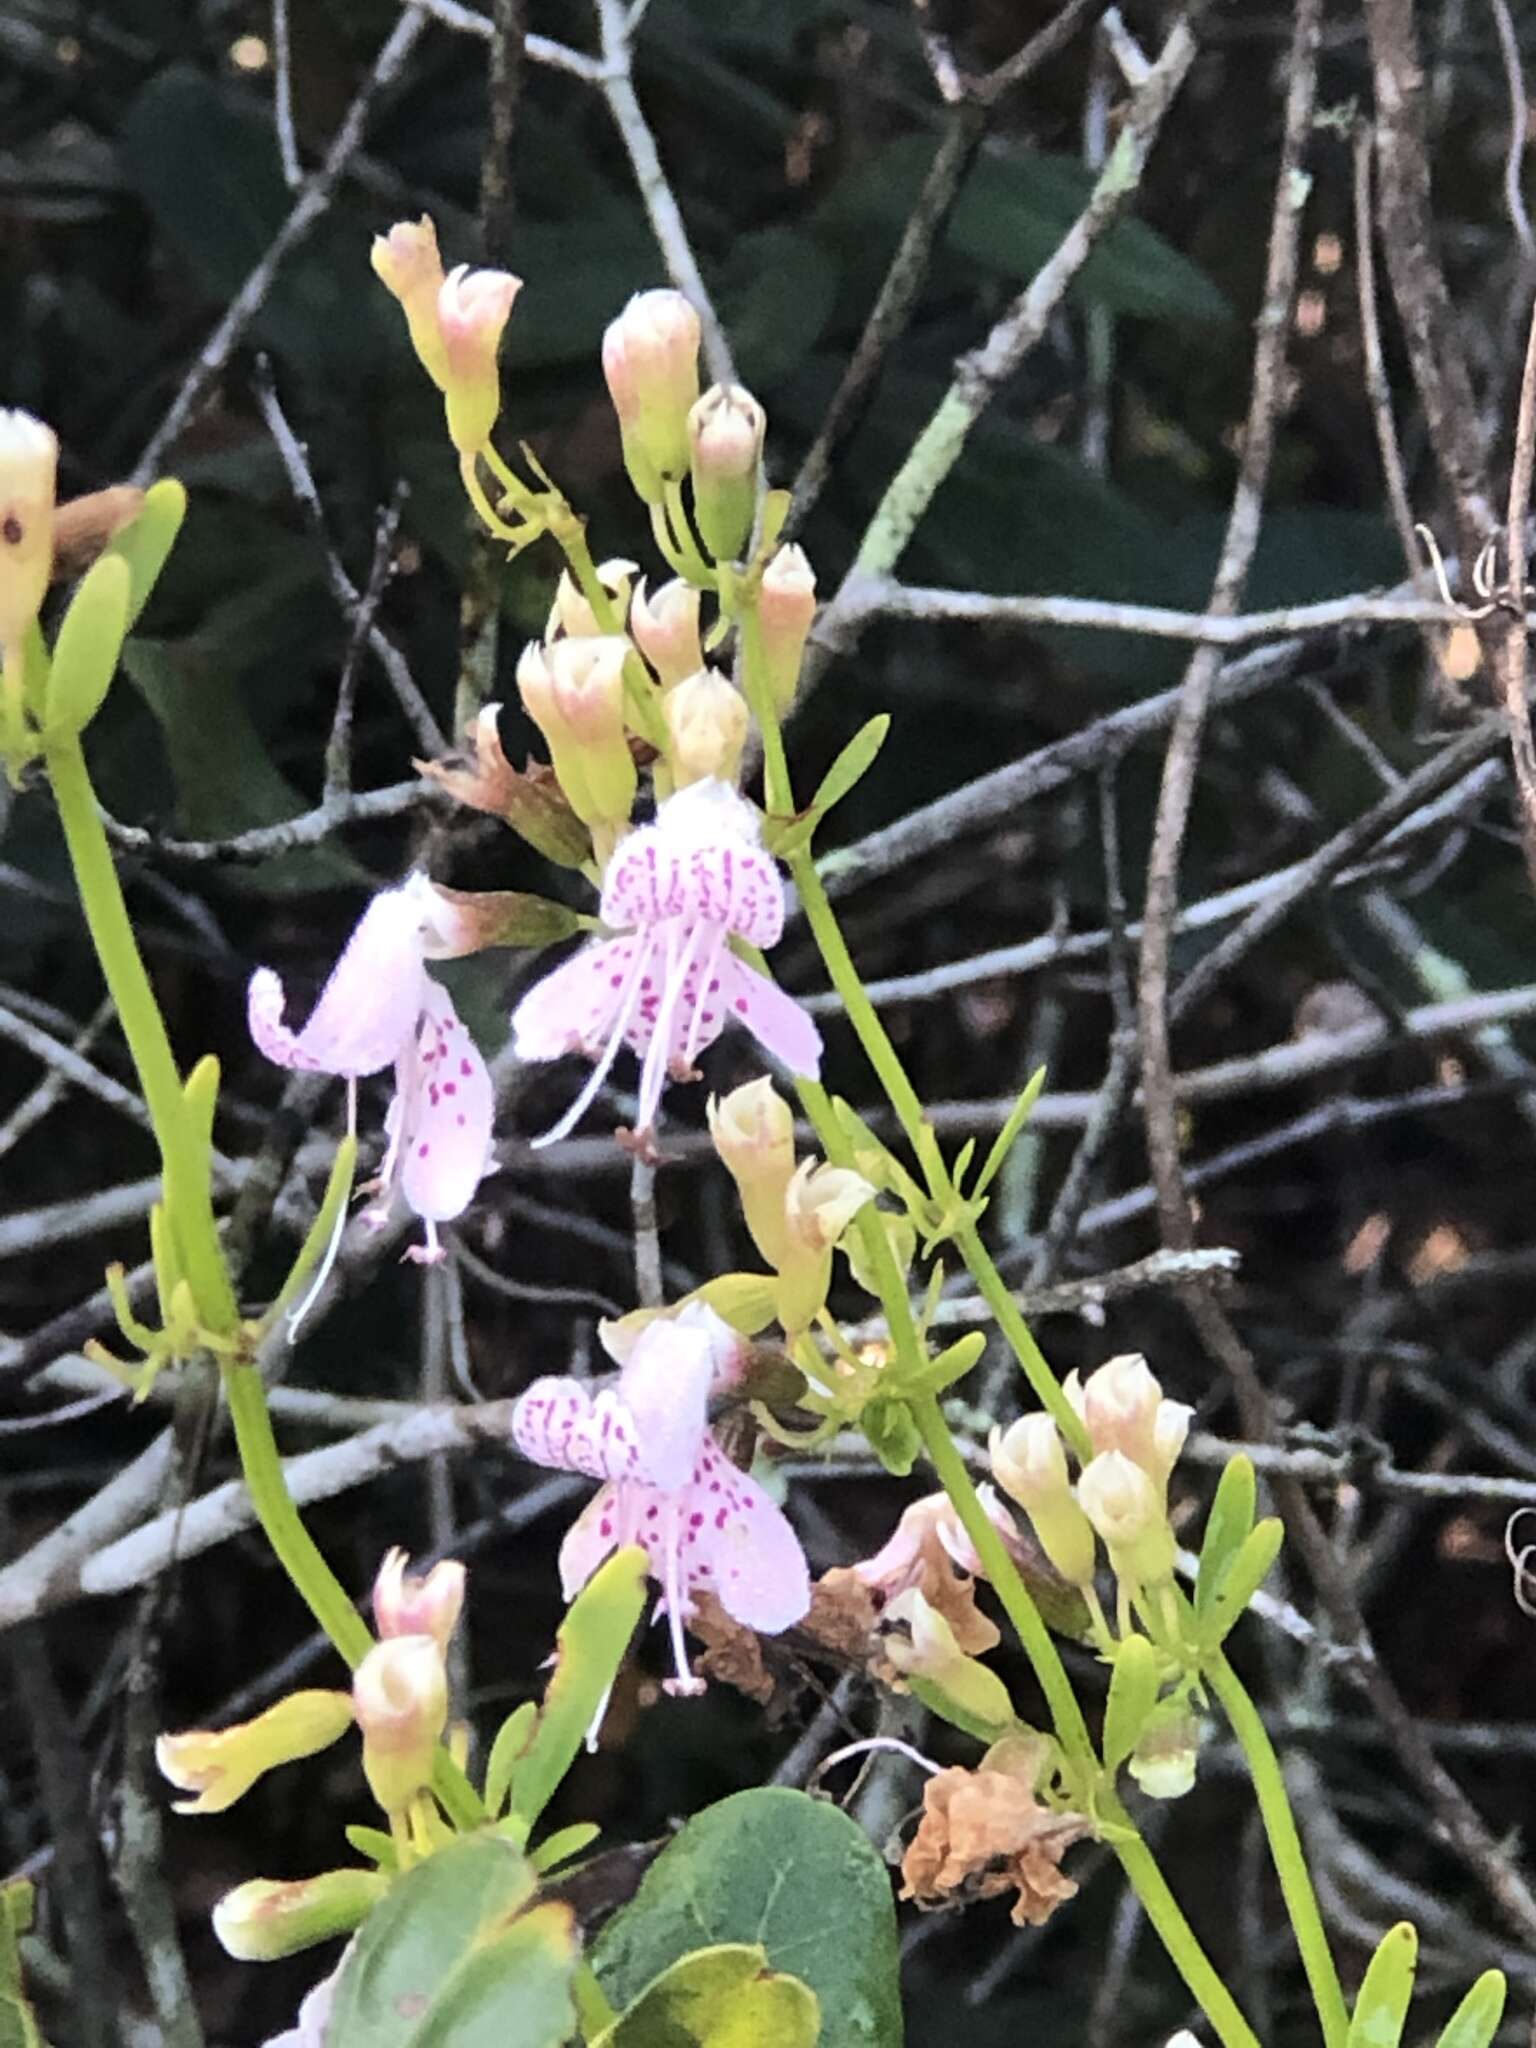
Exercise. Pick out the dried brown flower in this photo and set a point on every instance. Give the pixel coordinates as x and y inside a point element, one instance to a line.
<point>985,1832</point>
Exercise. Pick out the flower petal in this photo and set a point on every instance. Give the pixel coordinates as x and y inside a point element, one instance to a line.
<point>574,1006</point>
<point>701,860</point>
<point>774,1019</point>
<point>589,1539</point>
<point>739,1541</point>
<point>665,1386</point>
<point>447,1117</point>
<point>368,1008</point>
<point>557,1422</point>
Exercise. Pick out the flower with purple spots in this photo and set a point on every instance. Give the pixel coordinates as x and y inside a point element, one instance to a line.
<point>676,893</point>
<point>379,1008</point>
<point>704,1524</point>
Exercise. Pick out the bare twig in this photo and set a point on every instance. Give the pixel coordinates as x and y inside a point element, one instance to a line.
<point>338,747</point>
<point>617,84</point>
<point>649,1291</point>
<point>540,49</point>
<point>311,203</point>
<point>350,602</point>
<point>1519,130</point>
<point>1512,659</point>
<point>262,842</point>
<point>282,96</point>
<point>1377,389</point>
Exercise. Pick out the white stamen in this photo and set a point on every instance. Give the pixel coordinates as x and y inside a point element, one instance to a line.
<point>623,1016</point>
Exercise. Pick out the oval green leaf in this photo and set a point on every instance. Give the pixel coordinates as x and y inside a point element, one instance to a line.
<point>86,651</point>
<point>1226,1529</point>
<point>1476,2020</point>
<point>1382,2006</point>
<point>1132,1696</point>
<point>721,1997</point>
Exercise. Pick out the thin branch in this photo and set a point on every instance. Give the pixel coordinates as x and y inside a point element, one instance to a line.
<point>338,747</point>
<point>313,199</point>
<point>282,96</point>
<point>1519,130</point>
<point>1377,388</point>
<point>262,842</point>
<point>616,80</point>
<point>1513,647</point>
<point>349,600</point>
<point>540,49</point>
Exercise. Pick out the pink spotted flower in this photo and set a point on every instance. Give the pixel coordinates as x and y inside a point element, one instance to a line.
<point>381,1008</point>
<point>677,892</point>
<point>704,1524</point>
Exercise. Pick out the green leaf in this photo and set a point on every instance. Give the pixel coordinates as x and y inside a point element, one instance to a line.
<point>1476,2020</point>
<point>588,1649</point>
<point>1133,1687</point>
<point>1246,1574</point>
<point>852,764</point>
<point>86,652</point>
<point>1226,1529</point>
<point>952,1364</point>
<point>446,1948</point>
<point>376,1845</point>
<point>784,1871</point>
<point>148,539</point>
<point>721,1997</point>
<point>563,1844</point>
<point>18,2023</point>
<point>1382,2006</point>
<point>893,1434</point>
<point>511,1741</point>
<point>1003,1143</point>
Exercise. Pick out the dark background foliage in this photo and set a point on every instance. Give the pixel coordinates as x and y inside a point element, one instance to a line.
<point>1387,1271</point>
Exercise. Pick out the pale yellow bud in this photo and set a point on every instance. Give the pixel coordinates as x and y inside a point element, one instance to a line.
<point>665,628</point>
<point>221,1765</point>
<point>572,615</point>
<point>473,307</point>
<point>1123,1409</point>
<point>1126,1508</point>
<point>1030,1465</point>
<point>574,693</point>
<point>918,1642</point>
<point>707,722</point>
<point>400,1698</point>
<point>753,1129</point>
<point>407,262</point>
<point>260,1921</point>
<point>786,608</point>
<point>651,364</point>
<point>427,1605</point>
<point>29,458</point>
<point>725,437</point>
<point>1164,1760</point>
<point>822,1201</point>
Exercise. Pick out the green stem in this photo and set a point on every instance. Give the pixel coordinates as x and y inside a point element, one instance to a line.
<point>184,1162</point>
<point>759,694</point>
<point>1010,1320</point>
<point>312,1578</point>
<point>1285,1847</point>
<point>1177,1936</point>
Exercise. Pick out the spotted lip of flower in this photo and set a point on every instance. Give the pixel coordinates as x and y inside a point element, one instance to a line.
<point>677,891</point>
<point>380,1008</point>
<point>669,1487</point>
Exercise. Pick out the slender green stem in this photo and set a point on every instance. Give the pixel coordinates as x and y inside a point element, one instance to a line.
<point>312,1578</point>
<point>1285,1847</point>
<point>184,1160</point>
<point>759,695</point>
<point>1010,1320</point>
<point>1177,1936</point>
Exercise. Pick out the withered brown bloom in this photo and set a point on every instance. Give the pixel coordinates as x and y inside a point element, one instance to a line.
<point>985,1832</point>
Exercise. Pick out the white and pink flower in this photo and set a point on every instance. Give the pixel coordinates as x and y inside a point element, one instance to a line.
<point>381,1008</point>
<point>669,1487</point>
<point>677,892</point>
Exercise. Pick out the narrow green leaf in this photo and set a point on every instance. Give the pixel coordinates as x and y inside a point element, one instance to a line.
<point>1476,2020</point>
<point>941,1373</point>
<point>1003,1143</point>
<point>852,764</point>
<point>147,540</point>
<point>1382,2006</point>
<point>85,654</point>
<point>589,1650</point>
<point>720,1997</point>
<point>511,1741</point>
<point>1132,1695</point>
<point>1226,1529</point>
<point>377,1846</point>
<point>565,1843</point>
<point>338,1190</point>
<point>1246,1574</point>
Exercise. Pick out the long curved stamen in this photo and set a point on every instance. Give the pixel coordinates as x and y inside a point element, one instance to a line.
<point>653,1074</point>
<point>624,1012</point>
<point>323,1272</point>
<point>686,1682</point>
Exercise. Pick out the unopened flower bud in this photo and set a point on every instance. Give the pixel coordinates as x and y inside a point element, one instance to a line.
<point>1127,1510</point>
<point>651,363</point>
<point>400,1697</point>
<point>753,1129</point>
<point>725,439</point>
<point>220,1765</point>
<point>418,1606</point>
<point>819,1204</point>
<point>529,800</point>
<point>29,459</point>
<point>408,263</point>
<point>1123,1409</point>
<point>707,720</point>
<point>574,693</point>
<point>665,628</point>
<point>1030,1465</point>
<point>1164,1759</point>
<point>919,1643</point>
<point>572,615</point>
<point>473,307</point>
<point>260,1921</point>
<point>786,607</point>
